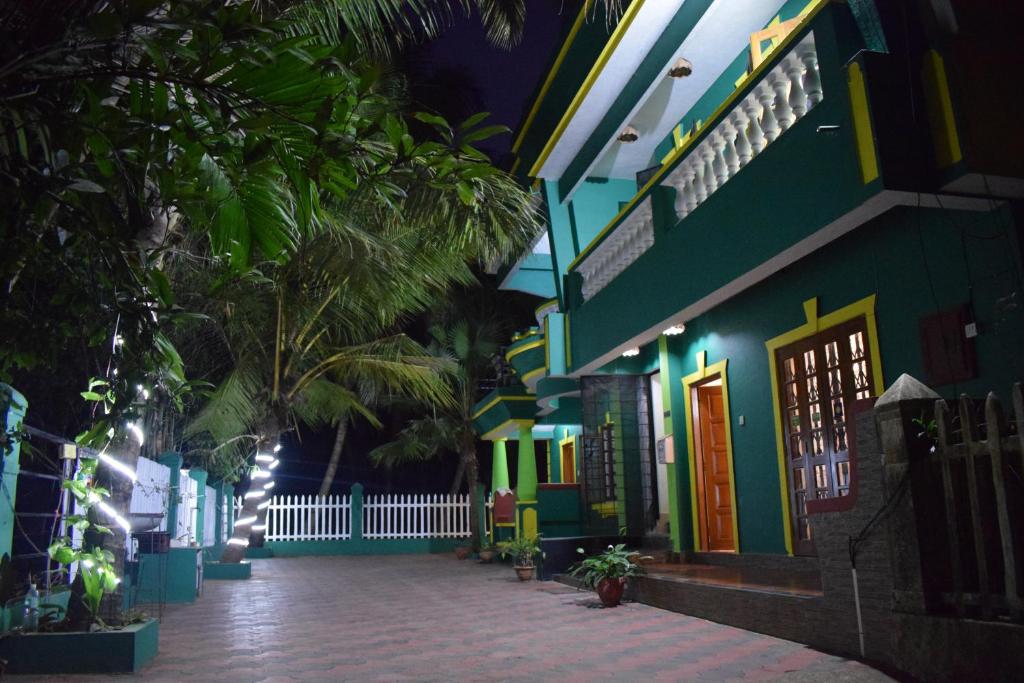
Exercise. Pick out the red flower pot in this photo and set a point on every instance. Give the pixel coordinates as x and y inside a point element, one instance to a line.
<point>462,552</point>
<point>610,591</point>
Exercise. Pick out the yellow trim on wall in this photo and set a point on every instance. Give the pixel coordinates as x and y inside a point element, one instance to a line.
<point>531,374</point>
<point>815,324</point>
<point>580,20</point>
<point>525,347</point>
<point>698,130</point>
<point>561,472</point>
<point>507,423</point>
<point>862,123</point>
<point>588,83</point>
<point>703,372</point>
<point>940,110</point>
<point>544,304</point>
<point>568,343</point>
<point>499,399</point>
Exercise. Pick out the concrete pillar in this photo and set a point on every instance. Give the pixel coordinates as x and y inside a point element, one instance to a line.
<point>218,512</point>
<point>499,467</point>
<point>526,471</point>
<point>200,476</point>
<point>895,411</point>
<point>229,496</point>
<point>15,408</point>
<point>173,461</point>
<point>357,512</point>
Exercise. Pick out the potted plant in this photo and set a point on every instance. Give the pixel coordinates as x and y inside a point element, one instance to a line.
<point>487,554</point>
<point>522,550</point>
<point>607,573</point>
<point>462,552</point>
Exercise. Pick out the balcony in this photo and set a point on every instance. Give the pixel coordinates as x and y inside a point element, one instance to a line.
<point>776,97</point>
<point>527,355</point>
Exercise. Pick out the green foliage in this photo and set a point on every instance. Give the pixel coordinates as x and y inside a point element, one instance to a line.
<point>522,549</point>
<point>614,563</point>
<point>95,564</point>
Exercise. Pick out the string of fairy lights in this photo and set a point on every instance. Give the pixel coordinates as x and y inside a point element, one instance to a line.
<point>266,463</point>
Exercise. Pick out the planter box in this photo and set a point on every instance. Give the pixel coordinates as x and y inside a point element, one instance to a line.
<point>264,553</point>
<point>235,571</point>
<point>123,651</point>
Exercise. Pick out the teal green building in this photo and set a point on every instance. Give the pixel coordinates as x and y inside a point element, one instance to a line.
<point>759,214</point>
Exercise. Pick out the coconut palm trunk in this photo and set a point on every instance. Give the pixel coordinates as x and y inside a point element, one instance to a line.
<point>251,513</point>
<point>332,466</point>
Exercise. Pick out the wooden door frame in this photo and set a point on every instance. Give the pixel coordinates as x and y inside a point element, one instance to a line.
<point>569,440</point>
<point>702,375</point>
<point>814,324</point>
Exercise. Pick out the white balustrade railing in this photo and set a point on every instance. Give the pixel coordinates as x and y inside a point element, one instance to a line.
<point>785,93</point>
<point>416,516</point>
<point>783,96</point>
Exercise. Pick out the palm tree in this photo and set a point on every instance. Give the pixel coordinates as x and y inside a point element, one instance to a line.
<point>469,338</point>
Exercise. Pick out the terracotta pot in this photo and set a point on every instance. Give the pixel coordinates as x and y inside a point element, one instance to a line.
<point>610,591</point>
<point>462,552</point>
<point>524,573</point>
<point>487,556</point>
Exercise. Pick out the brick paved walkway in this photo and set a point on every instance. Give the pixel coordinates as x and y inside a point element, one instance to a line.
<point>435,618</point>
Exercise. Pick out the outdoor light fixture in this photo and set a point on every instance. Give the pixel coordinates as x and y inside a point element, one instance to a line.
<point>629,353</point>
<point>629,134</point>
<point>681,69</point>
<point>264,505</point>
<point>674,330</point>
<point>137,432</point>
<point>112,513</point>
<point>259,527</point>
<point>273,464</point>
<point>144,391</point>
<point>118,466</point>
<point>254,494</point>
<point>244,542</point>
<point>277,448</point>
<point>261,474</point>
<point>263,457</point>
<point>268,486</point>
<point>241,521</point>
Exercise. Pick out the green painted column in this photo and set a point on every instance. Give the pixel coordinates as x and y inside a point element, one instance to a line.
<point>499,467</point>
<point>526,471</point>
<point>670,381</point>
<point>16,406</point>
<point>357,512</point>
<point>173,461</point>
<point>200,476</point>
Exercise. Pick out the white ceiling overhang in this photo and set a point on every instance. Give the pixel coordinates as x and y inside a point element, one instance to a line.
<point>711,46</point>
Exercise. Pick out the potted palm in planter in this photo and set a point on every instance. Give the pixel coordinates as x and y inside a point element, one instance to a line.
<point>487,554</point>
<point>522,550</point>
<point>607,573</point>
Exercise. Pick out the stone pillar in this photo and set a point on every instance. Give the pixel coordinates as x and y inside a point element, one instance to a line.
<point>200,476</point>
<point>357,512</point>
<point>16,405</point>
<point>526,470</point>
<point>499,467</point>
<point>895,411</point>
<point>172,461</point>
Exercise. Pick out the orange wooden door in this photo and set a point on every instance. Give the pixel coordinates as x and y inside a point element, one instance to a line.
<point>714,461</point>
<point>569,463</point>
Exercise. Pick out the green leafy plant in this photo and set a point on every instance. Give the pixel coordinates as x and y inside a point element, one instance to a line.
<point>95,564</point>
<point>522,550</point>
<point>614,563</point>
<point>929,430</point>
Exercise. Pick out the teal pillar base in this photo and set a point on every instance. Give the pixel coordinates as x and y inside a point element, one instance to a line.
<point>264,553</point>
<point>235,571</point>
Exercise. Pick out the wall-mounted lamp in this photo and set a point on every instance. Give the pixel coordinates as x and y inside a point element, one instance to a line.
<point>629,353</point>
<point>674,330</point>
<point>629,134</point>
<point>681,69</point>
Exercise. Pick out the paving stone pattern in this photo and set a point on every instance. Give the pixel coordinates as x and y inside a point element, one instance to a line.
<point>435,618</point>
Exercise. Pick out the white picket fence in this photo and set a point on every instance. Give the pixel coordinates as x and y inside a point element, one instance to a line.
<point>387,516</point>
<point>416,516</point>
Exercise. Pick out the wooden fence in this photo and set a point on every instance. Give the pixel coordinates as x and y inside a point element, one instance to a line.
<point>970,509</point>
<point>387,516</point>
<point>416,516</point>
